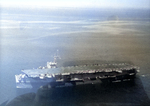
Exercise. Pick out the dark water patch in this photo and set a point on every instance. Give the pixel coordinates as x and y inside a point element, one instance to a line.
<point>127,93</point>
<point>26,100</point>
<point>146,83</point>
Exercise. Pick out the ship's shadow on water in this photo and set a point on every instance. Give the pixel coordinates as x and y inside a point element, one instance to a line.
<point>126,93</point>
<point>129,93</point>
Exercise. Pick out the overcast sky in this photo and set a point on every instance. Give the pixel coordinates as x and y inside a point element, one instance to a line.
<point>78,3</point>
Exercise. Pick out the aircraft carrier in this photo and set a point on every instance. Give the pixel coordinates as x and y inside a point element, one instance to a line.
<point>106,73</point>
<point>71,75</point>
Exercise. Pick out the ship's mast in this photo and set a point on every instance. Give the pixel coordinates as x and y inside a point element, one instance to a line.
<point>56,56</point>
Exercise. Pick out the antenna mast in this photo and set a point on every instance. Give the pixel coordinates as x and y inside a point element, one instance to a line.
<point>56,56</point>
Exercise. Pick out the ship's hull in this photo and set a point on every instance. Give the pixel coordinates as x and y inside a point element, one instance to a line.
<point>106,73</point>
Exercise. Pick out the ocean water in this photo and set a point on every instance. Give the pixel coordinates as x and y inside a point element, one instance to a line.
<point>30,38</point>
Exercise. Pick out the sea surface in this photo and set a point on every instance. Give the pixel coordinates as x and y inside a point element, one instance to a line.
<point>30,37</point>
